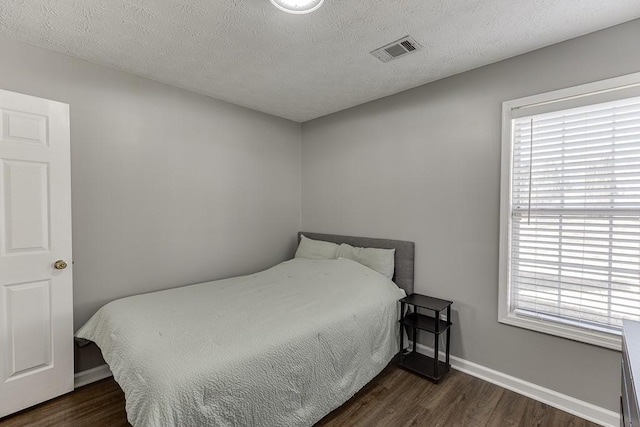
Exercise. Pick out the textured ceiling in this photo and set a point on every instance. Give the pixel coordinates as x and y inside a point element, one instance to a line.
<point>301,66</point>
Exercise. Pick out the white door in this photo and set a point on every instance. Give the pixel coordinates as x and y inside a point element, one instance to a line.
<point>36,304</point>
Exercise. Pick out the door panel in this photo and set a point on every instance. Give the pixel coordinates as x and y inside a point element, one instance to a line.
<point>26,202</point>
<point>20,126</point>
<point>36,303</point>
<point>29,326</point>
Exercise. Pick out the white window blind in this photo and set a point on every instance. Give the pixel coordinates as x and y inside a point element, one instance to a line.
<point>575,215</point>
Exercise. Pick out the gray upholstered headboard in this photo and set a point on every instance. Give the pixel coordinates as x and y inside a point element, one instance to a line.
<point>404,255</point>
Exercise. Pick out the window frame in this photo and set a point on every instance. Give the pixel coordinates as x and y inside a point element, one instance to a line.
<point>505,315</point>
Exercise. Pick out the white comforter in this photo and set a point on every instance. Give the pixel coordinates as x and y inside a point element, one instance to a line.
<point>282,347</point>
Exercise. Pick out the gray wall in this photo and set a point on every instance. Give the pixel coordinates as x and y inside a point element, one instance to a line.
<point>169,187</point>
<point>424,165</point>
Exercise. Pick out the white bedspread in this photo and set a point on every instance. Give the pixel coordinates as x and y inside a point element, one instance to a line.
<point>282,347</point>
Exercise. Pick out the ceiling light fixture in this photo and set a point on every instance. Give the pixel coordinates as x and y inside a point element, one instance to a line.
<point>297,6</point>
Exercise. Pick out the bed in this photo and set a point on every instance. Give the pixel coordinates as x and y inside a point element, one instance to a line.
<point>283,347</point>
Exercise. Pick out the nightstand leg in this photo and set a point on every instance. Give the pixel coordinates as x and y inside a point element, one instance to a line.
<point>401,331</point>
<point>436,354</point>
<point>415,334</point>
<point>436,344</point>
<point>448,336</point>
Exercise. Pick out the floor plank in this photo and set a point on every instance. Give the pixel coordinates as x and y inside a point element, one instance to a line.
<point>97,404</point>
<point>394,398</point>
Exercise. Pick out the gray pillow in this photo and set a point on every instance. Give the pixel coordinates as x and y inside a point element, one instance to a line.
<point>380,260</point>
<point>316,249</point>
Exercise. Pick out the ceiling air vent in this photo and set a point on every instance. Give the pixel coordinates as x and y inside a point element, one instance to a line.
<point>398,48</point>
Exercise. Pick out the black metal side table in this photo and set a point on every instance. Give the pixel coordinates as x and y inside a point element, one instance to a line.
<point>429,367</point>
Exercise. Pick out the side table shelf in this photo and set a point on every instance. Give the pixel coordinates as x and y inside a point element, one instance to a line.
<point>429,367</point>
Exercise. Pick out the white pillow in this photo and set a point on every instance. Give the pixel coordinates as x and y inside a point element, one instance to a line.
<point>380,260</point>
<point>316,249</point>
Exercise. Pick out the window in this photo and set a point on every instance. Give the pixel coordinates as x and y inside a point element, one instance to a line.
<point>570,211</point>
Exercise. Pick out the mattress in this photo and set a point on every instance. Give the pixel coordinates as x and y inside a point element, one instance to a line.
<point>282,347</point>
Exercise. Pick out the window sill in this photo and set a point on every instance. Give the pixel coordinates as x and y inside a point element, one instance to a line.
<point>601,339</point>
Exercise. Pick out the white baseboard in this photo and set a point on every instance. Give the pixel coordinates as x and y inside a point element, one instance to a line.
<point>550,397</point>
<point>91,375</point>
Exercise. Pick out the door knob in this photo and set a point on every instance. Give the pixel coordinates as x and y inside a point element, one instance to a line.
<point>60,265</point>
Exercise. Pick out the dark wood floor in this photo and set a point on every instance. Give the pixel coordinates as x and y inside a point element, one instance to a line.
<point>393,398</point>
